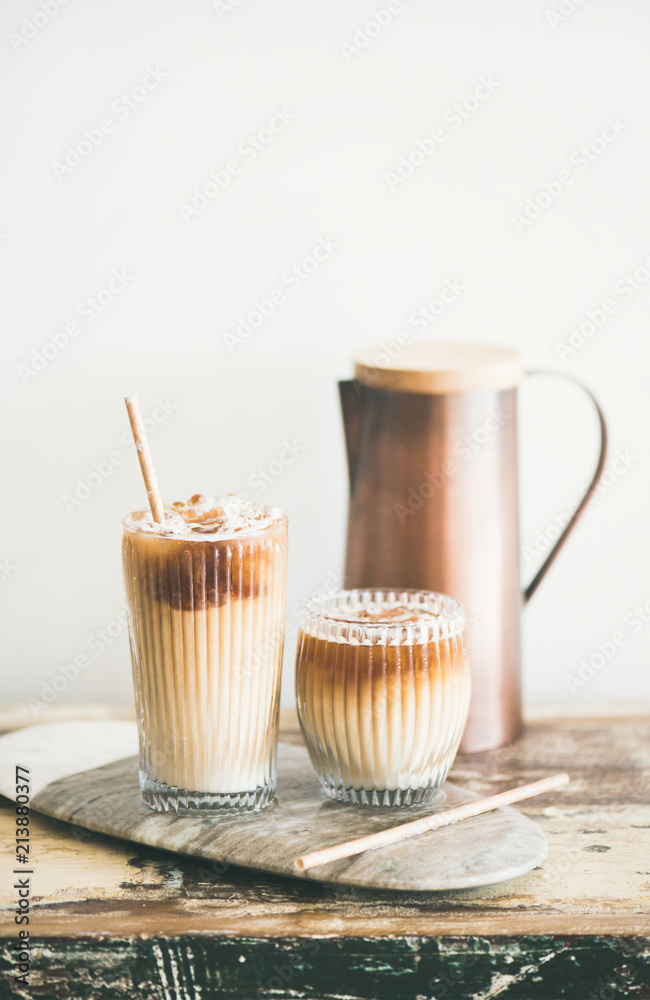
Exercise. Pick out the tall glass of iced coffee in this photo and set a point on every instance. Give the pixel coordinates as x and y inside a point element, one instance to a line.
<point>205,592</point>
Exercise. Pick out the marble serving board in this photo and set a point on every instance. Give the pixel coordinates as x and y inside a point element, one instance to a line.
<point>86,773</point>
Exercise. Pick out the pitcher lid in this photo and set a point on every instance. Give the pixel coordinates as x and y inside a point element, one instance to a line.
<point>438,367</point>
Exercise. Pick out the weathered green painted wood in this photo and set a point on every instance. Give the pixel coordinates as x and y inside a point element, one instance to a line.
<point>530,968</point>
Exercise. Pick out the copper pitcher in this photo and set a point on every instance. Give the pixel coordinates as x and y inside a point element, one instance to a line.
<point>431,436</point>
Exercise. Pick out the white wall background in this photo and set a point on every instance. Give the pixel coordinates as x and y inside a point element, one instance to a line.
<point>227,67</point>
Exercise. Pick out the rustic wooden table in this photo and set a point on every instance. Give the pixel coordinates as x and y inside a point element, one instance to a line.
<point>112,919</point>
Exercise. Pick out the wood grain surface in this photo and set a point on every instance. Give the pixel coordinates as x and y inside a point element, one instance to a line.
<point>105,798</point>
<point>114,919</point>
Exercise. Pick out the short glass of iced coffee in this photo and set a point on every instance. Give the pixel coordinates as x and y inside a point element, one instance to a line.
<point>205,591</point>
<point>383,687</point>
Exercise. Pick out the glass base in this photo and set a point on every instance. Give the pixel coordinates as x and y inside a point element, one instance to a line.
<point>166,798</point>
<point>383,797</point>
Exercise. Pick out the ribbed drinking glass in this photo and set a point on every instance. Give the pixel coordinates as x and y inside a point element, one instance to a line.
<point>383,687</point>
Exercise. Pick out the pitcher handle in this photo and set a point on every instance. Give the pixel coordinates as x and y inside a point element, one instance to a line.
<point>591,489</point>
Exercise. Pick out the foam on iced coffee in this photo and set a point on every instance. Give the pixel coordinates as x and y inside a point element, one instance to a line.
<point>380,614</point>
<point>201,515</point>
<point>406,623</point>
